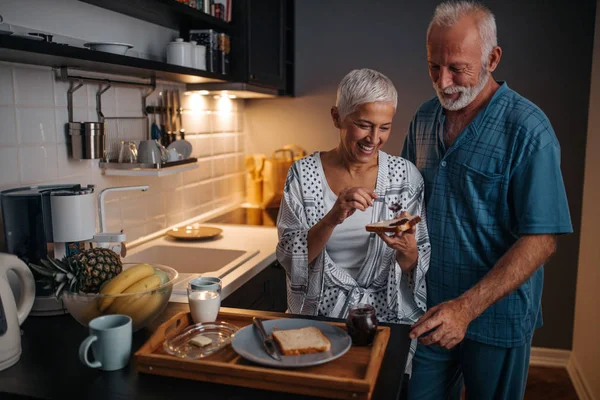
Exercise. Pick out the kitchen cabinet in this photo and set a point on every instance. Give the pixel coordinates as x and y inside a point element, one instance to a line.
<point>263,43</point>
<point>265,292</point>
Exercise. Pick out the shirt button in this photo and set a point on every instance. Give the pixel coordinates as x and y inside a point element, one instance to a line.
<point>444,163</point>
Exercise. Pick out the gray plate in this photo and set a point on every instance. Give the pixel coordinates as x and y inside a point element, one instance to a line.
<point>248,344</point>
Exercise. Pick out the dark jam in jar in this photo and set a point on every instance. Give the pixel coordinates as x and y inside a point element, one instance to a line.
<point>362,324</point>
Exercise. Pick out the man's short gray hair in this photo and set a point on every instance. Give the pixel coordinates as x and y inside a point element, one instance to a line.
<point>448,13</point>
<point>361,86</point>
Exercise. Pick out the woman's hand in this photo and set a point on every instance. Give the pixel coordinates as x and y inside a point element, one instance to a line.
<point>405,245</point>
<point>348,201</point>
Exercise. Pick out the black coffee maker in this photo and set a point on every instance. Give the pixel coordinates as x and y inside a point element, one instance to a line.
<point>47,221</point>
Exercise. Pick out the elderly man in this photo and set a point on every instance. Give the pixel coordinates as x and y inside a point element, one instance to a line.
<point>495,202</point>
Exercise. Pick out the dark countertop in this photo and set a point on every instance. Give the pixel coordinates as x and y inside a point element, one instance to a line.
<point>49,368</point>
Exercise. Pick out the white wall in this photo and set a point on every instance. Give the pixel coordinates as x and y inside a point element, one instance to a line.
<point>34,150</point>
<point>586,334</point>
<point>33,118</point>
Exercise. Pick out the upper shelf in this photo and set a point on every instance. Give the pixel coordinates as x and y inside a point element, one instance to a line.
<point>27,51</point>
<point>167,13</point>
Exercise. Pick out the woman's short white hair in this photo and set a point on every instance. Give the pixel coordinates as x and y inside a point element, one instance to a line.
<point>362,86</point>
<point>448,13</point>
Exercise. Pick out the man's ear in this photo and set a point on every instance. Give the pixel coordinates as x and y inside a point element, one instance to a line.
<point>335,116</point>
<point>494,58</point>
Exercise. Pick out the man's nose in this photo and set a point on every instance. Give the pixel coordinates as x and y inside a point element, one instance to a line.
<point>445,78</point>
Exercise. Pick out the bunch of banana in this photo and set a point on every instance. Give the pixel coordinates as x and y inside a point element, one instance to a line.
<point>139,278</point>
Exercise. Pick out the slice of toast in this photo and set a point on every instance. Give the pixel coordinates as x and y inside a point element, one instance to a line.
<point>401,224</point>
<point>293,342</point>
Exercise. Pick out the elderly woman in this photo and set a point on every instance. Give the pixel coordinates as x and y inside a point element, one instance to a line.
<point>332,262</point>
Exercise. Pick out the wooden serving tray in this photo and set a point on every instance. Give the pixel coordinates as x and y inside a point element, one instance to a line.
<point>352,376</point>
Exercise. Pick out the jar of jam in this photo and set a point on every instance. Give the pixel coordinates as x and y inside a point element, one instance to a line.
<point>361,324</point>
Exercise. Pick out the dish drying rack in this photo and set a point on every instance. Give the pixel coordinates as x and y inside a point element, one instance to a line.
<point>119,129</point>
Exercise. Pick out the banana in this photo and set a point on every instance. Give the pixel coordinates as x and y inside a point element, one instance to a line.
<point>122,281</point>
<point>120,304</point>
<point>145,309</point>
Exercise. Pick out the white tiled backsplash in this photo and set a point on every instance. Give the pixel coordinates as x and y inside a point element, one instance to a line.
<point>33,148</point>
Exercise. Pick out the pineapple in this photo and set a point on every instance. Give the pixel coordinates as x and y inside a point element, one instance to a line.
<point>83,272</point>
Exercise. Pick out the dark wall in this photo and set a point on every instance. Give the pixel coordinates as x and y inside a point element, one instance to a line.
<point>547,58</point>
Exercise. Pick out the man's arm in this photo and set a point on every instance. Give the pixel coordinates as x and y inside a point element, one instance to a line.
<point>453,317</point>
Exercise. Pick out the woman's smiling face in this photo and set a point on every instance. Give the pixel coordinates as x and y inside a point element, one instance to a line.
<point>365,131</point>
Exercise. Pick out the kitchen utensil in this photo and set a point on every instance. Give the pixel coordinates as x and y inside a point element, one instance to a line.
<point>155,129</point>
<point>110,340</point>
<point>174,121</point>
<point>274,175</point>
<point>195,233</point>
<point>87,140</point>
<point>168,124</point>
<point>183,147</point>
<point>259,162</point>
<point>128,152</point>
<point>109,47</point>
<point>200,61</point>
<point>149,152</point>
<point>174,155</point>
<point>164,153</point>
<point>143,307</point>
<point>220,333</point>
<point>164,137</point>
<point>268,343</point>
<point>12,314</point>
<point>179,116</point>
<point>179,52</point>
<point>250,165</point>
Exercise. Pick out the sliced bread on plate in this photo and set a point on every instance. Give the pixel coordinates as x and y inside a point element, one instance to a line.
<point>293,342</point>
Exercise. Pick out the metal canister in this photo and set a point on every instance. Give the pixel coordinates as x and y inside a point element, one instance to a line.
<point>87,140</point>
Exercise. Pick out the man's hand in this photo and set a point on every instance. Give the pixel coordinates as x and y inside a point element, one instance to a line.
<point>450,321</point>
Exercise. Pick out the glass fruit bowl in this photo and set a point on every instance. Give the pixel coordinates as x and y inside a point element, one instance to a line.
<point>142,306</point>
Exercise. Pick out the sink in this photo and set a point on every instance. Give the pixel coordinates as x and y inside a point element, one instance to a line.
<point>191,262</point>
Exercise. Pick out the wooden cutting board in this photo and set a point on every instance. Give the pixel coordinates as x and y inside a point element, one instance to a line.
<point>352,376</point>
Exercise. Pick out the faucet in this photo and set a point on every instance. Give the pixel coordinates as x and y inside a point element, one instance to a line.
<point>104,239</point>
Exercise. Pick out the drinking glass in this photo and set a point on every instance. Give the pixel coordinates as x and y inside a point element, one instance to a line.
<point>204,298</point>
<point>128,152</point>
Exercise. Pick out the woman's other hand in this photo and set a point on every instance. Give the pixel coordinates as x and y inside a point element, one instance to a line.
<point>348,201</point>
<point>405,245</point>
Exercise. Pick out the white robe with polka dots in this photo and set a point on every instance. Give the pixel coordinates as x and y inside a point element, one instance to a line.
<point>323,288</point>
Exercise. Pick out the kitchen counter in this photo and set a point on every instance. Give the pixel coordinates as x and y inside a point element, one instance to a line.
<point>259,243</point>
<point>49,368</point>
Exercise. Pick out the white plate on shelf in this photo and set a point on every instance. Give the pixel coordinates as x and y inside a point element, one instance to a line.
<point>183,147</point>
<point>109,47</point>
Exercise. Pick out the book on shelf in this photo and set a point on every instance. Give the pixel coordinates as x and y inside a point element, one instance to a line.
<point>217,8</point>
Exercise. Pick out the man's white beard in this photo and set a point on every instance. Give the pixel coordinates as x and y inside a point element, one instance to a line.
<point>467,94</point>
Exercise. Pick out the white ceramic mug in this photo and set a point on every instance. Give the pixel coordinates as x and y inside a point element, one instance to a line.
<point>110,338</point>
<point>149,152</point>
<point>174,155</point>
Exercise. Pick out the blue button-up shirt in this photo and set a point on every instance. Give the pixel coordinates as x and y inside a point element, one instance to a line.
<point>499,180</point>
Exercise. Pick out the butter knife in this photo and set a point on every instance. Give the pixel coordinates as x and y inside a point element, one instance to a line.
<point>270,346</point>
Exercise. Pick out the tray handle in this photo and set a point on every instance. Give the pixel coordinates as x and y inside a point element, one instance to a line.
<point>167,331</point>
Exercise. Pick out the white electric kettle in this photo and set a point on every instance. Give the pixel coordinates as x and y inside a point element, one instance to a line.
<point>12,315</point>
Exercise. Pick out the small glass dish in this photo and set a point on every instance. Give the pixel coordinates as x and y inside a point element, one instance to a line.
<point>220,332</point>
